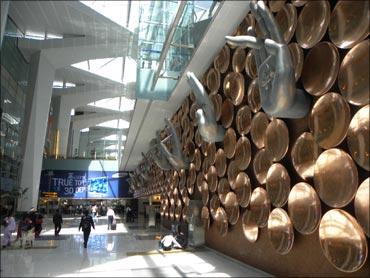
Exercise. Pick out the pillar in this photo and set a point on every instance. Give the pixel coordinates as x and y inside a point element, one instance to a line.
<point>4,17</point>
<point>40,82</point>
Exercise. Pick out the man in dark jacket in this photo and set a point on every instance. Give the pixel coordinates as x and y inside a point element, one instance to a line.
<point>86,224</point>
<point>57,220</point>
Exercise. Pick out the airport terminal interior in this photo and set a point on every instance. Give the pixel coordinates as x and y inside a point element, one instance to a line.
<point>185,138</point>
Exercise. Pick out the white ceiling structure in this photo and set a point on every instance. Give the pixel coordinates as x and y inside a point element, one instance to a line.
<point>100,37</point>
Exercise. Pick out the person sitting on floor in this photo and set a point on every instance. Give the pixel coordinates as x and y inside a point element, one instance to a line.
<point>168,242</point>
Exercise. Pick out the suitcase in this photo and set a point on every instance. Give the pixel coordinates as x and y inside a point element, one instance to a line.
<point>114,225</point>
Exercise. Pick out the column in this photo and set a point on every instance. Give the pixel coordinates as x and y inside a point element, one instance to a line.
<point>63,122</point>
<point>4,17</point>
<point>40,82</point>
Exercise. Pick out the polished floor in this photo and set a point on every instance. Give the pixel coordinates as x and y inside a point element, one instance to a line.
<point>130,251</point>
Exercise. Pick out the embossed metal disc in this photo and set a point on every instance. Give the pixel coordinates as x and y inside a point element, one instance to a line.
<point>258,129</point>
<point>185,213</point>
<point>358,137</point>
<point>253,94</point>
<point>172,212</point>
<point>232,208</point>
<point>329,120</point>
<point>175,180</point>
<point>261,164</point>
<point>216,100</point>
<point>276,5</point>
<point>297,55</point>
<point>220,162</point>
<point>214,204</point>
<point>211,152</point>
<point>232,172</point>
<point>260,206</point>
<point>205,192</point>
<point>286,20</point>
<point>280,230</point>
<point>234,87</point>
<point>189,150</point>
<point>304,208</point>
<point>349,23</point>
<point>312,23</point>
<point>304,153</point>
<point>213,80</point>
<point>221,221</point>
<point>335,178</point>
<point>278,184</point>
<point>353,77</point>
<point>243,153</point>
<point>205,165</point>
<point>250,65</point>
<point>182,178</point>
<point>242,188</point>
<point>222,189</point>
<point>229,142</point>
<point>362,208</point>
<point>243,120</point>
<point>205,217</point>
<point>299,3</point>
<point>238,61</point>
<point>185,198</point>
<point>199,180</point>
<point>197,159</point>
<point>277,139</point>
<point>342,240</point>
<point>320,68</point>
<point>211,178</point>
<point>222,60</point>
<point>193,108</point>
<point>178,211</point>
<point>250,227</point>
<point>227,113</point>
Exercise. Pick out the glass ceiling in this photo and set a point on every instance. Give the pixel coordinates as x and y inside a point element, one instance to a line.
<point>119,124</point>
<point>120,104</point>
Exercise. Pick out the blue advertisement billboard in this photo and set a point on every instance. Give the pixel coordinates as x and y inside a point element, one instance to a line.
<point>85,184</point>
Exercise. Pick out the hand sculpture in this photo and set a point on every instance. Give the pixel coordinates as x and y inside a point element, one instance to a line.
<point>205,115</point>
<point>177,159</point>
<point>161,161</point>
<point>135,184</point>
<point>279,96</point>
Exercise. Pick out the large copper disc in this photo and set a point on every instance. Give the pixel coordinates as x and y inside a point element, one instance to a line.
<point>243,120</point>
<point>335,178</point>
<point>213,80</point>
<point>353,78</point>
<point>242,188</point>
<point>259,125</point>
<point>299,3</point>
<point>175,180</point>
<point>222,189</point>
<point>260,206</point>
<point>276,5</point>
<point>182,178</point>
<point>199,181</point>
<point>261,164</point>
<point>312,23</point>
<point>197,138</point>
<point>243,153</point>
<point>232,208</point>
<point>214,204</point>
<point>277,139</point>
<point>220,162</point>
<point>172,212</point>
<point>254,100</point>
<point>278,184</point>
<point>205,193</point>
<point>234,87</point>
<point>185,198</point>
<point>193,108</point>
<point>232,172</point>
<point>189,150</point>
<point>211,178</point>
<point>178,211</point>
<point>358,138</point>
<point>286,20</point>
<point>304,208</point>
<point>250,65</point>
<point>320,68</point>
<point>342,240</point>
<point>250,227</point>
<point>206,163</point>
<point>221,221</point>
<point>211,152</point>
<point>238,61</point>
<point>185,213</point>
<point>227,113</point>
<point>280,230</point>
<point>222,60</point>
<point>329,120</point>
<point>349,23</point>
<point>362,208</point>
<point>216,100</point>
<point>197,159</point>
<point>229,142</point>
<point>296,53</point>
<point>304,154</point>
<point>205,217</point>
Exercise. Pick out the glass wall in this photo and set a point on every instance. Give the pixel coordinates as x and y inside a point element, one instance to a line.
<point>14,76</point>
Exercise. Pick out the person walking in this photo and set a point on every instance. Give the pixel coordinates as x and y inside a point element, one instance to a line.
<point>111,216</point>
<point>128,214</point>
<point>57,220</point>
<point>86,224</point>
<point>10,226</point>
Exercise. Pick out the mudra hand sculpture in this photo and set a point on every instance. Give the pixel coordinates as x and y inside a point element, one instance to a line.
<point>161,161</point>
<point>279,96</point>
<point>205,115</point>
<point>177,159</point>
